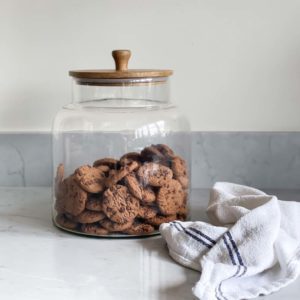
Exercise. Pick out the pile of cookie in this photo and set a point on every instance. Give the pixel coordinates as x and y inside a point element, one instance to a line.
<point>132,195</point>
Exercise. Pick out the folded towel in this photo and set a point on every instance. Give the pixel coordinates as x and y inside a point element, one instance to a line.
<point>252,248</point>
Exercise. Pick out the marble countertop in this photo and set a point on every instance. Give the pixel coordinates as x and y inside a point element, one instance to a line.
<point>40,262</point>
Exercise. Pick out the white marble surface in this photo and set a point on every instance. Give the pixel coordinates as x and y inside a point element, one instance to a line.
<point>40,262</point>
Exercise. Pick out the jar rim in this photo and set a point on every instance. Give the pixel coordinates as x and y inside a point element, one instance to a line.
<point>121,81</point>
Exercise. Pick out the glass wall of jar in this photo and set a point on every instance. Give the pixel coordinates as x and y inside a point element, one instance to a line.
<point>121,154</point>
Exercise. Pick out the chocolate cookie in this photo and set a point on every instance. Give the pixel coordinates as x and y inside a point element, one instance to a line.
<point>134,186</point>
<point>103,168</point>
<point>165,150</point>
<point>145,194</point>
<point>108,161</point>
<point>94,229</point>
<point>59,189</point>
<point>115,176</point>
<point>90,179</point>
<point>179,169</point>
<point>179,166</point>
<point>94,204</point>
<point>59,176</point>
<point>148,196</point>
<point>63,221</point>
<point>147,212</point>
<point>154,174</point>
<point>115,227</point>
<point>89,216</point>
<point>158,219</point>
<point>129,157</point>
<point>140,228</point>
<point>170,197</point>
<point>119,205</point>
<point>74,196</point>
<point>184,181</point>
<point>151,154</point>
<point>183,210</point>
<point>181,217</point>
<point>60,198</point>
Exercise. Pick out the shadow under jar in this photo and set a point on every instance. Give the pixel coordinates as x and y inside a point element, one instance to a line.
<point>121,154</point>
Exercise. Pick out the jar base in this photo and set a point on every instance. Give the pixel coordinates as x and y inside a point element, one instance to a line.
<point>109,236</point>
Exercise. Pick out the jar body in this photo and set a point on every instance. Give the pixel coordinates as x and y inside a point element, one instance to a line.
<point>121,166</point>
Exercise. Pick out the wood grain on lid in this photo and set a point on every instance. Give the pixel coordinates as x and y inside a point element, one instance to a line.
<point>121,58</point>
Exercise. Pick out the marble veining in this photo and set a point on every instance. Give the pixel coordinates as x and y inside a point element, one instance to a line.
<point>260,159</point>
<point>40,262</point>
<point>11,165</point>
<point>25,159</point>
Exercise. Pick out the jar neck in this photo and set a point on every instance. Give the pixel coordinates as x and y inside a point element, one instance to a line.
<point>151,89</point>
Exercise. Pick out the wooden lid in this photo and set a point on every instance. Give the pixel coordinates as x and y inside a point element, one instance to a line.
<point>121,58</point>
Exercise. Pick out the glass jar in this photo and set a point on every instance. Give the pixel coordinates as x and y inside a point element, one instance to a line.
<point>121,153</point>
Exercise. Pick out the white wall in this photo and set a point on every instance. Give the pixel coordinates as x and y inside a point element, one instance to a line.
<point>237,63</point>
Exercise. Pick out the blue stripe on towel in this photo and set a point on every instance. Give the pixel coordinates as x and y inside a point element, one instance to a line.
<point>203,235</point>
<point>229,250</point>
<point>241,264</point>
<point>209,239</point>
<point>235,248</point>
<point>220,285</point>
<point>175,225</point>
<point>192,235</point>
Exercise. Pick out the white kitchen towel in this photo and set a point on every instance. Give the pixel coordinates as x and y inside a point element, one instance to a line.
<point>252,248</point>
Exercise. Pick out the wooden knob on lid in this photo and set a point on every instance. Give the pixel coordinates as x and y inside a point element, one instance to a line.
<point>121,58</point>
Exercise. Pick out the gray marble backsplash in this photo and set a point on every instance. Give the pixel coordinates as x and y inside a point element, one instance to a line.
<point>268,160</point>
<point>259,159</point>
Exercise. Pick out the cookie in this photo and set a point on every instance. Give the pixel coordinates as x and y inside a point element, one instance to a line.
<point>111,174</point>
<point>108,161</point>
<point>95,229</point>
<point>119,205</point>
<point>184,181</point>
<point>151,154</point>
<point>115,227</point>
<point>170,197</point>
<point>116,176</point>
<point>158,219</point>
<point>140,228</point>
<point>147,212</point>
<point>154,174</point>
<point>59,176</point>
<point>59,189</point>
<point>90,179</point>
<point>89,216</point>
<point>74,196</point>
<point>63,221</point>
<point>182,210</point>
<point>94,204</point>
<point>148,196</point>
<point>181,217</point>
<point>129,157</point>
<point>179,167</point>
<point>134,186</point>
<point>103,168</point>
<point>60,192</point>
<point>165,150</point>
